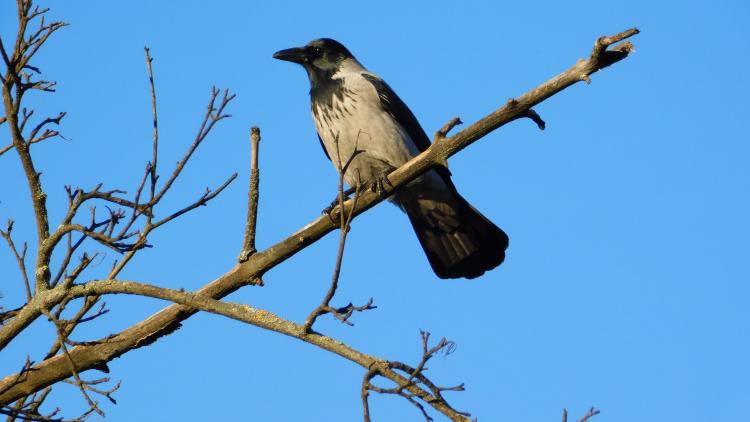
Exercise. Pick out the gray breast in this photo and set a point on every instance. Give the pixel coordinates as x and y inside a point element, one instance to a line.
<point>353,115</point>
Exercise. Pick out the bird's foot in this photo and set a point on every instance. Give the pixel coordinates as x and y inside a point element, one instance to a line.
<point>337,201</point>
<point>329,212</point>
<point>378,185</point>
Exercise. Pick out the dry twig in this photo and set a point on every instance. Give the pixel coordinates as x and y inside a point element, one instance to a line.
<point>344,313</point>
<point>248,244</point>
<point>416,377</point>
<point>590,414</point>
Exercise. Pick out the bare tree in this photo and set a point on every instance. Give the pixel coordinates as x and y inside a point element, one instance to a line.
<point>64,295</point>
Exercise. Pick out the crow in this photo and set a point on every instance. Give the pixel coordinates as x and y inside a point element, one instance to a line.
<point>355,110</point>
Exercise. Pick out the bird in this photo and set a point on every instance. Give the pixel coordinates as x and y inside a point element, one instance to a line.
<point>360,120</point>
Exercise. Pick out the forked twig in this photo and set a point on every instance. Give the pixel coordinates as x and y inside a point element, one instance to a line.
<point>415,377</point>
<point>344,313</point>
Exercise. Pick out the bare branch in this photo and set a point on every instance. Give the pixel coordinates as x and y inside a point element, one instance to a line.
<point>342,314</point>
<point>444,345</point>
<point>114,243</point>
<point>365,393</point>
<point>20,257</point>
<point>443,131</point>
<point>196,301</point>
<point>248,245</point>
<point>25,116</point>
<point>72,323</point>
<point>79,382</point>
<point>214,113</point>
<point>47,133</point>
<point>528,114</point>
<point>37,40</point>
<point>16,79</point>
<point>5,149</point>
<point>17,377</point>
<point>83,386</point>
<point>417,377</point>
<point>590,414</point>
<point>4,54</point>
<point>155,152</point>
<point>82,265</point>
<point>203,200</point>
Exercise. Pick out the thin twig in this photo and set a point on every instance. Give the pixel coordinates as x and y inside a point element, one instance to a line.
<point>590,414</point>
<point>78,381</point>
<point>155,149</point>
<point>342,314</point>
<point>365,393</point>
<point>203,200</point>
<point>20,257</point>
<point>213,114</point>
<point>416,377</point>
<point>47,134</point>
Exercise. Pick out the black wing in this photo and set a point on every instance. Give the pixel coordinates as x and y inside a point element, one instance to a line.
<point>393,105</point>
<point>324,149</point>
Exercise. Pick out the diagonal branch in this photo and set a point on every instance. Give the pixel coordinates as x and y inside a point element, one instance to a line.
<point>214,113</point>
<point>239,312</point>
<point>47,133</point>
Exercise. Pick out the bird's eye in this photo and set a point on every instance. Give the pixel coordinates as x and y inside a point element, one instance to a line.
<point>318,51</point>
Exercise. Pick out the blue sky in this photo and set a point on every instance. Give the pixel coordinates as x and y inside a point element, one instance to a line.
<point>626,282</point>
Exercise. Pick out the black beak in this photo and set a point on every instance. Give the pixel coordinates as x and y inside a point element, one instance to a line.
<point>296,55</point>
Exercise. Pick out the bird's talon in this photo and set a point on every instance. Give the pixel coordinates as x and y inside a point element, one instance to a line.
<point>333,216</point>
<point>385,178</point>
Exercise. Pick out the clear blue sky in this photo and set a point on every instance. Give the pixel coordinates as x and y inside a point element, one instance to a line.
<point>626,282</point>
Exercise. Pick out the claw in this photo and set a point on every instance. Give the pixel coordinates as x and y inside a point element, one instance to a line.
<point>329,212</point>
<point>378,185</point>
<point>329,209</point>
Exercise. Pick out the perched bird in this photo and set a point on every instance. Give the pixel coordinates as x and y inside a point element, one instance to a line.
<point>354,108</point>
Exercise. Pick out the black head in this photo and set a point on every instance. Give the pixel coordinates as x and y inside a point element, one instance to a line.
<point>321,57</point>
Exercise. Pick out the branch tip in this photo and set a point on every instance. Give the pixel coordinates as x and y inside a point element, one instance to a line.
<point>443,132</point>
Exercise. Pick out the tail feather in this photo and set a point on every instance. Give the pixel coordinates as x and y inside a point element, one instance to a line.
<point>457,239</point>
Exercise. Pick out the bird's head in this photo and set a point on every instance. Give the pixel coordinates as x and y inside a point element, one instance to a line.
<point>321,58</point>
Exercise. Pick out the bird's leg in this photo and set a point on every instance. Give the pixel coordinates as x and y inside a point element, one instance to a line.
<point>378,184</point>
<point>329,209</point>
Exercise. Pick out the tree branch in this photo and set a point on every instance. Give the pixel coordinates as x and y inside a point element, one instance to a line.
<point>248,244</point>
<point>16,321</point>
<point>236,311</point>
<point>590,414</point>
<point>416,377</point>
<point>155,144</point>
<point>20,257</point>
<point>345,221</point>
